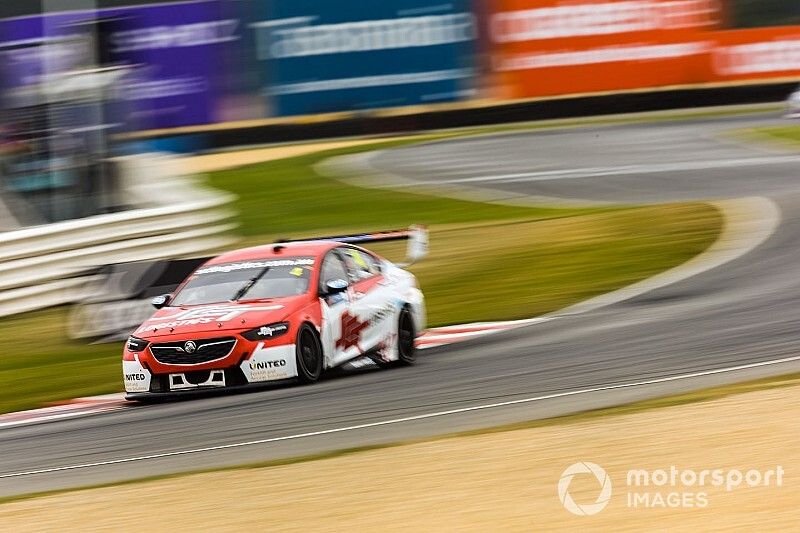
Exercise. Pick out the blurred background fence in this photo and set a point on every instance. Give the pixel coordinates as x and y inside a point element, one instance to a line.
<point>77,76</point>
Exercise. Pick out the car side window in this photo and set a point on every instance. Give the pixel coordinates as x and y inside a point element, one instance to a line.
<point>360,265</point>
<point>332,268</point>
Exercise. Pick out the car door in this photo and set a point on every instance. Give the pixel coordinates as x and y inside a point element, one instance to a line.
<point>371,301</point>
<point>336,312</point>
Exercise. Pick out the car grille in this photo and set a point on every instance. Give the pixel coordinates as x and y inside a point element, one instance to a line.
<point>174,353</point>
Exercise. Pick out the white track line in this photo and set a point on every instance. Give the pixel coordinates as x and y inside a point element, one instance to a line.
<point>399,420</point>
<point>629,170</point>
<point>61,416</point>
<point>75,408</point>
<point>453,337</point>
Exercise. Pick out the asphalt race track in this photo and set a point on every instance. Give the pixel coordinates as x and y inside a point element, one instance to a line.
<point>742,313</point>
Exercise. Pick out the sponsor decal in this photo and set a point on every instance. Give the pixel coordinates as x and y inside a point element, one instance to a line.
<point>270,363</point>
<point>370,54</point>
<point>601,55</point>
<point>135,345</point>
<point>365,82</point>
<point>152,41</point>
<point>136,378</point>
<point>380,314</point>
<point>177,36</point>
<point>351,331</point>
<point>232,267</point>
<point>298,40</point>
<point>205,315</point>
<point>364,362</point>
<point>260,365</point>
<point>758,58</point>
<point>590,19</point>
<point>137,88</point>
<point>583,46</point>
<point>269,331</point>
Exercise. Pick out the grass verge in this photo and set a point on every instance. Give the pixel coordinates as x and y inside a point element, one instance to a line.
<point>788,136</point>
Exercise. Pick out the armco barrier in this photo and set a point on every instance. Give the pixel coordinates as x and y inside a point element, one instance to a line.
<point>44,265</point>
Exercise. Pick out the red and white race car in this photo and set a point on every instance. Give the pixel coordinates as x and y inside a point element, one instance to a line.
<point>793,105</point>
<point>284,311</point>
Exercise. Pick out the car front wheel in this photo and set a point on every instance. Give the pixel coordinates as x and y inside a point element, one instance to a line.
<point>309,354</point>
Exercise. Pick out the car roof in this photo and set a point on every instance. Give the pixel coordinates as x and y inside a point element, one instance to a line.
<point>276,251</point>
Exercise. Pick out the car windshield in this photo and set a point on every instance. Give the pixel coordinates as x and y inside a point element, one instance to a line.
<point>253,280</point>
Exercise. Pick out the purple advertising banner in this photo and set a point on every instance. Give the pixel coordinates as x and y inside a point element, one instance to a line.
<point>172,56</point>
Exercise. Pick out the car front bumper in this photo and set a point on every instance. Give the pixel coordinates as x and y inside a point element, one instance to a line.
<point>265,364</point>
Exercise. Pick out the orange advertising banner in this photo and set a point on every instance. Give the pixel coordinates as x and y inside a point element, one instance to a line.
<point>756,54</point>
<point>553,47</point>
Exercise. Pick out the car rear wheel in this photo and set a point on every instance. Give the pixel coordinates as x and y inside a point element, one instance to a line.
<point>406,335</point>
<point>309,355</point>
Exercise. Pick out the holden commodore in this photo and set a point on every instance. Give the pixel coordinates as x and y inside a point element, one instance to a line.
<point>287,311</point>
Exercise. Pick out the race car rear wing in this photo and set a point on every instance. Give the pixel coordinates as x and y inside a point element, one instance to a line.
<point>417,237</point>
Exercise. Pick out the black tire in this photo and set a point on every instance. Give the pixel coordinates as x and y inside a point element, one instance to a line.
<point>308,350</point>
<point>406,335</point>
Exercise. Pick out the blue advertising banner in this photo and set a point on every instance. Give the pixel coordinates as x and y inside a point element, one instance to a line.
<point>347,55</point>
<point>174,51</point>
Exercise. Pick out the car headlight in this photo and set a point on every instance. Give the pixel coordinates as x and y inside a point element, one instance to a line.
<point>270,331</point>
<point>135,344</point>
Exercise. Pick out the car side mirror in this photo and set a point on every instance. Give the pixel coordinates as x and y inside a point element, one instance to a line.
<point>335,286</point>
<point>160,301</point>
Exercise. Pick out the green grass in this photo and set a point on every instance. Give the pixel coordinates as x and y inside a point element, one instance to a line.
<point>39,364</point>
<point>519,269</point>
<point>786,135</point>
<point>488,262</point>
<point>287,198</point>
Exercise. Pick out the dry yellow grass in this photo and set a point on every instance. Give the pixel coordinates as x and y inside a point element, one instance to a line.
<point>199,164</point>
<point>498,481</point>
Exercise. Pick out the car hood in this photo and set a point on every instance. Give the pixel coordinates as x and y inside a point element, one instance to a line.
<point>188,321</point>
